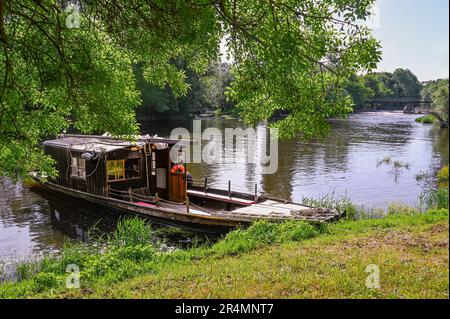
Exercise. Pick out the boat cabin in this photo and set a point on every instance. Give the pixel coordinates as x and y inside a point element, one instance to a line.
<point>106,166</point>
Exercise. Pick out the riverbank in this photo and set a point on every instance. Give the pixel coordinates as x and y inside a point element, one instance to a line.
<point>411,253</point>
<point>293,259</point>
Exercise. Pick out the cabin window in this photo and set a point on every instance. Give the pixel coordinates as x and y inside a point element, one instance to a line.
<point>78,167</point>
<point>119,170</point>
<point>132,168</point>
<point>116,170</point>
<point>153,163</point>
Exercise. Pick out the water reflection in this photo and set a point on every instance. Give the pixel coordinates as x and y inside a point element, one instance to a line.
<point>76,223</point>
<point>345,162</point>
<point>30,222</point>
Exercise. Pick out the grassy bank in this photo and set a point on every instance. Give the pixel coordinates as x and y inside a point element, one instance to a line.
<point>411,253</point>
<point>292,259</point>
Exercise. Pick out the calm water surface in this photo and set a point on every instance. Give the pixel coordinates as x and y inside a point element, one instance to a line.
<point>344,163</point>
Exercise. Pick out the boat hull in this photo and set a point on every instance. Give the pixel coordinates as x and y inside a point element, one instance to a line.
<point>162,216</point>
<point>273,210</point>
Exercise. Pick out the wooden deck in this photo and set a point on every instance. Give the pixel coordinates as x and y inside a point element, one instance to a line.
<point>271,210</point>
<point>206,220</point>
<point>223,198</point>
<point>275,210</point>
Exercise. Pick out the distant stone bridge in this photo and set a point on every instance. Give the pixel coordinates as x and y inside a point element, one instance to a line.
<point>408,104</point>
<point>400,100</point>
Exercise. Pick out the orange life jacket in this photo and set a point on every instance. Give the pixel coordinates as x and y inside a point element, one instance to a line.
<point>178,168</point>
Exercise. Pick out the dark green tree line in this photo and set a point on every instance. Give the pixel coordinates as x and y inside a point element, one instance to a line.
<point>206,94</point>
<point>400,83</point>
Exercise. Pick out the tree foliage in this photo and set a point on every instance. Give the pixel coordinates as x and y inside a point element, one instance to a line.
<point>215,82</point>
<point>288,55</point>
<point>438,92</point>
<point>206,94</point>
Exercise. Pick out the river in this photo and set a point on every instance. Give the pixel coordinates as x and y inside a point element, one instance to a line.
<point>347,162</point>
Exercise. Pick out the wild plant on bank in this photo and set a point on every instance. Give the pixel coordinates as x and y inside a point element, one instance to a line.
<point>131,232</point>
<point>443,177</point>
<point>128,251</point>
<point>436,198</point>
<point>399,208</point>
<point>343,205</point>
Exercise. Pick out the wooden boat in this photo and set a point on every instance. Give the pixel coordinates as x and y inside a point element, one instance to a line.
<point>139,177</point>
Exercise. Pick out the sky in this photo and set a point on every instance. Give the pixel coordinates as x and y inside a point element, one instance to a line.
<point>414,35</point>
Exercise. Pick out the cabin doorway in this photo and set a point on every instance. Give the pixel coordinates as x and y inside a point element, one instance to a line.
<point>164,181</point>
<point>159,165</point>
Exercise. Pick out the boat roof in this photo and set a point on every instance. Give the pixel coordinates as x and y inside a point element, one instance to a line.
<point>106,143</point>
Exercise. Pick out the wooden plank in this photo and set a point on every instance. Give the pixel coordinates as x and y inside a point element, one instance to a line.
<point>272,207</point>
<point>235,200</point>
<point>274,210</point>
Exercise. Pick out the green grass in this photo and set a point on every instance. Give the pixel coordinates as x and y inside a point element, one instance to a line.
<point>107,269</point>
<point>427,119</point>
<point>442,177</point>
<point>290,259</point>
<point>413,263</point>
